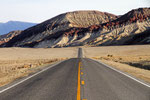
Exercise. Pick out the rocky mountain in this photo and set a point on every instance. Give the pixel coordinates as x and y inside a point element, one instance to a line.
<point>91,28</point>
<point>14,25</point>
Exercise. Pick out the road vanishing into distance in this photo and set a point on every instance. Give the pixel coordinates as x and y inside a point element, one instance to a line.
<point>77,79</point>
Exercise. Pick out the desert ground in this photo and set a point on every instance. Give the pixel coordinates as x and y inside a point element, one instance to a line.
<point>19,62</point>
<point>133,59</point>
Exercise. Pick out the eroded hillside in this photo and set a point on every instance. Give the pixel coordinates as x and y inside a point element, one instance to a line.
<point>6,37</point>
<point>90,28</point>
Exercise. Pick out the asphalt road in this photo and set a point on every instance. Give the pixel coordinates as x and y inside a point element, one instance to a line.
<point>61,82</point>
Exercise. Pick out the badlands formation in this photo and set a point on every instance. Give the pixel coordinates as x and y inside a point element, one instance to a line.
<point>86,28</point>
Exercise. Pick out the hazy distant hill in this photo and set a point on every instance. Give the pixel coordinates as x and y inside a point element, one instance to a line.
<point>14,25</point>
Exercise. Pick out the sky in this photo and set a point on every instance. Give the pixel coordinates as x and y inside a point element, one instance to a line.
<point>40,10</point>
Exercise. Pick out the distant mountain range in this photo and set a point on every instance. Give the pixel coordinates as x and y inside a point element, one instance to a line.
<point>14,25</point>
<point>85,28</point>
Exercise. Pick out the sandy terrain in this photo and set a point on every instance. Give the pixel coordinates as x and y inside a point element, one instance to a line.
<point>134,60</point>
<point>19,62</point>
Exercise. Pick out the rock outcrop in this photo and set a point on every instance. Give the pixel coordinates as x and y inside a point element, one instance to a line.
<point>6,37</point>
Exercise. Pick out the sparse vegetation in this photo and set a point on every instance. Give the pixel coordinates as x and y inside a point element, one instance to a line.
<point>139,63</point>
<point>11,70</point>
<point>109,55</point>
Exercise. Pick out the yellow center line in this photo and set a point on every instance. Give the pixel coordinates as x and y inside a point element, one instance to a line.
<point>81,73</point>
<point>78,88</point>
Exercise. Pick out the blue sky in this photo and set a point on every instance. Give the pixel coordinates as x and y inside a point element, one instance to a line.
<point>41,10</point>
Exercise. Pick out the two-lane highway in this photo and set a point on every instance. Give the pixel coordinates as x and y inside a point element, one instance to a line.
<point>78,79</point>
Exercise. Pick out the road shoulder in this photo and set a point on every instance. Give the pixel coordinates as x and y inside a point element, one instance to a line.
<point>140,75</point>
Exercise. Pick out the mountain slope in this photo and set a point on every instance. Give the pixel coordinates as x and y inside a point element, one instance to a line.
<point>141,38</point>
<point>7,37</point>
<point>61,23</point>
<point>14,25</point>
<point>90,28</point>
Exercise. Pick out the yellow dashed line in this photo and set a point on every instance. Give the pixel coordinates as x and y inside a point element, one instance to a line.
<point>82,82</point>
<point>79,82</point>
<point>79,86</point>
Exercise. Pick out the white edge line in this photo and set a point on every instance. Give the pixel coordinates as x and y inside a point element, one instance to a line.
<point>29,77</point>
<point>123,73</point>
